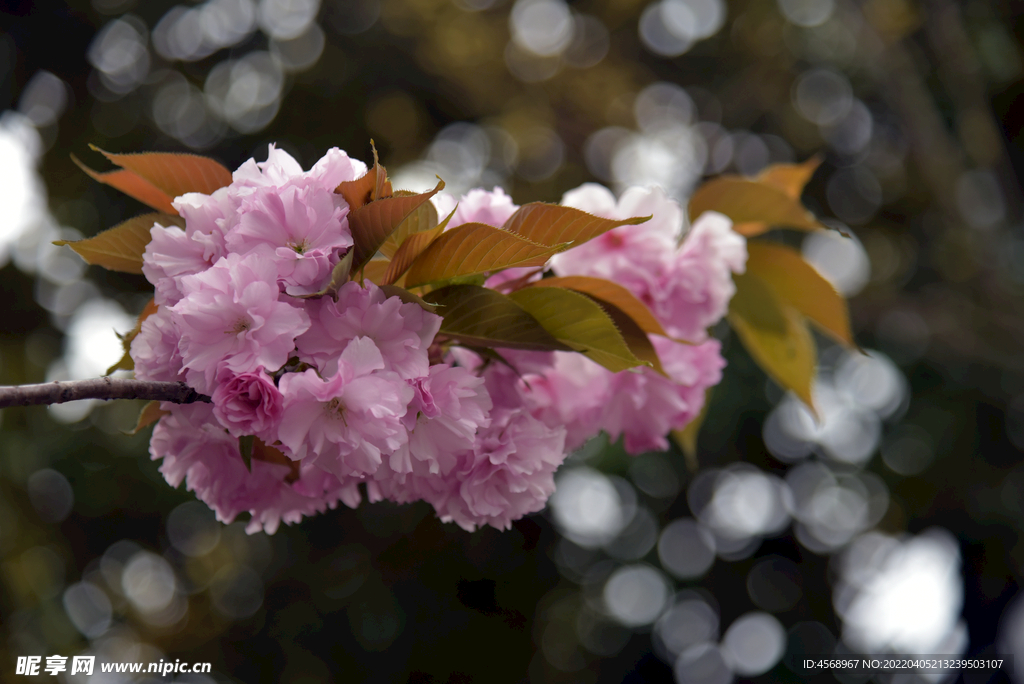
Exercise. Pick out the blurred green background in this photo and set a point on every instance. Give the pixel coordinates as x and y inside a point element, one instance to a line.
<point>892,526</point>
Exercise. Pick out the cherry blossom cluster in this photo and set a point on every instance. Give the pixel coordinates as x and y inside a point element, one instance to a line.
<point>347,394</point>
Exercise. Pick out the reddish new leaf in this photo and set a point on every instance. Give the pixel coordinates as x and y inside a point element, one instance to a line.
<point>371,186</point>
<point>372,223</point>
<point>172,173</point>
<point>133,186</point>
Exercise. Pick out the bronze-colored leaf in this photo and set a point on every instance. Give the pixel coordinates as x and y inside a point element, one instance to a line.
<point>423,218</point>
<point>551,224</point>
<point>798,284</point>
<point>579,322</point>
<point>753,207</point>
<point>126,362</point>
<point>775,335</point>
<point>371,186</point>
<point>686,437</point>
<point>475,248</point>
<point>411,248</point>
<point>372,223</point>
<point>480,317</point>
<point>268,454</point>
<point>173,173</point>
<point>375,269</point>
<point>120,248</point>
<point>790,178</point>
<point>149,414</point>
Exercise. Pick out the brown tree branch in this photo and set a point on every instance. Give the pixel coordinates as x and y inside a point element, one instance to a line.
<point>98,388</point>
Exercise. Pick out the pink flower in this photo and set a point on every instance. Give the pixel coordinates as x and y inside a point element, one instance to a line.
<point>302,227</point>
<point>196,450</point>
<point>699,283</point>
<point>509,473</point>
<point>279,168</point>
<point>346,422</point>
<point>173,253</point>
<point>231,317</point>
<point>334,168</point>
<point>687,288</point>
<point>155,349</point>
<point>247,403</point>
<point>492,207</point>
<point>573,392</point>
<point>402,332</point>
<point>170,255</point>
<point>447,409</point>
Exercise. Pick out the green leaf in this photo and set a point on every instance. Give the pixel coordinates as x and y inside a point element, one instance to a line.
<point>635,336</point>
<point>126,362</point>
<point>611,293</point>
<point>422,218</point>
<point>478,316</point>
<point>120,248</point>
<point>472,249</point>
<point>407,297</point>
<point>245,445</point>
<point>149,414</point>
<point>372,223</point>
<point>775,335</point>
<point>551,224</point>
<point>798,284</point>
<point>747,201</point>
<point>579,322</point>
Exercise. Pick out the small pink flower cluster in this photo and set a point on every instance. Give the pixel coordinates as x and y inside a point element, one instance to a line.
<point>339,391</point>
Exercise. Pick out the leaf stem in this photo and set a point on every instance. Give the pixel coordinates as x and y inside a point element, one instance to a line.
<point>98,388</point>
